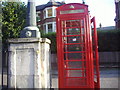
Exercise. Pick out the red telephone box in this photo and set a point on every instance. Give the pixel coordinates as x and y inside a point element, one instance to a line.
<point>77,48</point>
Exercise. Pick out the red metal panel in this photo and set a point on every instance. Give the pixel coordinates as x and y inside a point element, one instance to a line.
<point>74,47</point>
<point>96,57</point>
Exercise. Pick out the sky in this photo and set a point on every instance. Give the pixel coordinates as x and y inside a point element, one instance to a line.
<point>103,10</point>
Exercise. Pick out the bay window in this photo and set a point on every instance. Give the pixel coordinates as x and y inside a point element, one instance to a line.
<point>49,27</point>
<point>49,12</point>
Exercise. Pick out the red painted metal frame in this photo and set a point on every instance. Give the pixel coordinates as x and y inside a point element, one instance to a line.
<point>96,58</point>
<point>67,71</point>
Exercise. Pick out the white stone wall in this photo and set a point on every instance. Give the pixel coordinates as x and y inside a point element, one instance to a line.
<point>29,63</point>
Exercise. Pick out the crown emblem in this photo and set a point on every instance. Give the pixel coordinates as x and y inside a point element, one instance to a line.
<point>71,6</point>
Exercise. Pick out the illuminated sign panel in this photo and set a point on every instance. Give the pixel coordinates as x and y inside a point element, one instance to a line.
<point>72,11</point>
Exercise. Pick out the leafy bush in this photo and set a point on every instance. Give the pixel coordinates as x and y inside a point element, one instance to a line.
<point>52,37</point>
<point>108,40</point>
<point>13,19</point>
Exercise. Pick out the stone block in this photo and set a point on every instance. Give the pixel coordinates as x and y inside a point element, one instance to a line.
<point>29,65</point>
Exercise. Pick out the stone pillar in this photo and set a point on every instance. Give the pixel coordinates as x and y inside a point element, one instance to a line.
<point>29,63</point>
<point>31,29</point>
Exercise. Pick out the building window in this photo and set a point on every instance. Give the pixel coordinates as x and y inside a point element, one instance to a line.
<point>50,12</point>
<point>38,16</point>
<point>50,27</point>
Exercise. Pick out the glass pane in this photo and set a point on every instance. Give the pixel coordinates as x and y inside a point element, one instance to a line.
<point>49,27</point>
<point>82,31</point>
<point>76,82</point>
<point>74,73</point>
<point>82,22</point>
<point>73,23</point>
<point>73,27</point>
<point>74,64</point>
<point>73,31</point>
<point>49,12</point>
<point>74,56</point>
<point>77,47</point>
<point>63,24</point>
<point>74,39</point>
<point>54,11</point>
<point>72,11</point>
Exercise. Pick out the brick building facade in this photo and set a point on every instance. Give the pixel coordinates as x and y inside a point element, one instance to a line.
<point>46,16</point>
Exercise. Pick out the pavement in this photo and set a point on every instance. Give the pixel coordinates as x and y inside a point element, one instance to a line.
<point>109,78</point>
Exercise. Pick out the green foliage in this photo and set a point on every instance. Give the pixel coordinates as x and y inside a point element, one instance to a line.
<point>52,37</point>
<point>108,40</point>
<point>13,19</point>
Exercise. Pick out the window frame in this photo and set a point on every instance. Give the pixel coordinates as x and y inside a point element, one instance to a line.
<point>46,27</point>
<point>45,12</point>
